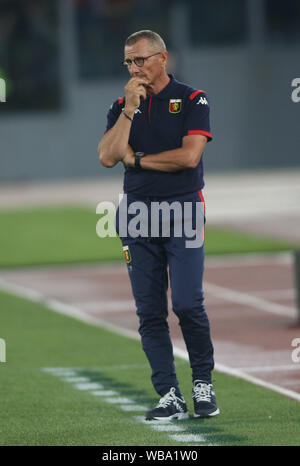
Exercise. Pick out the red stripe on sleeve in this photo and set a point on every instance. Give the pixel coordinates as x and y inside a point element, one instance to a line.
<point>120,100</point>
<point>200,131</point>
<point>193,95</point>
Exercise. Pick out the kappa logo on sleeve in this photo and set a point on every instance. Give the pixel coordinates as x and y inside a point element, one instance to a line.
<point>175,105</point>
<point>203,101</point>
<point>127,254</point>
<point>137,110</point>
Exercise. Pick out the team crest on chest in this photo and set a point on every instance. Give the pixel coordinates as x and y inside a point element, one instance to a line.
<point>175,105</point>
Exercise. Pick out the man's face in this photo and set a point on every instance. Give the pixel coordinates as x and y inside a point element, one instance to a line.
<point>153,67</point>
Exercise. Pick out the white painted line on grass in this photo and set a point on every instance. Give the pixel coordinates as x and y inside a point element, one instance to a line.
<point>274,294</point>
<point>21,291</point>
<point>76,379</point>
<point>250,259</point>
<point>168,428</point>
<point>187,438</point>
<point>65,309</point>
<point>133,407</point>
<point>247,299</point>
<point>287,367</point>
<point>243,375</point>
<point>104,393</point>
<point>256,381</point>
<point>60,371</point>
<point>154,421</point>
<point>107,306</point>
<point>72,311</point>
<point>88,386</point>
<point>128,405</point>
<point>119,400</point>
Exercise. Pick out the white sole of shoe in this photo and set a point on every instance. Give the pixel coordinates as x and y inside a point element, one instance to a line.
<point>178,416</point>
<point>215,413</point>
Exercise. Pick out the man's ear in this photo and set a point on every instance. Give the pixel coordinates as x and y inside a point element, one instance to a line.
<point>164,57</point>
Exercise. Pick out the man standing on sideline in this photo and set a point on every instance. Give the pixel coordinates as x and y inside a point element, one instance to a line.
<point>159,131</point>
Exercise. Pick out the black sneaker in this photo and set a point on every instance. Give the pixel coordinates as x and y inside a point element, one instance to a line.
<point>169,407</point>
<point>205,404</point>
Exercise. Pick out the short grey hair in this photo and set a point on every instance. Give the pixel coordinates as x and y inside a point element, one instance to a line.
<point>152,37</point>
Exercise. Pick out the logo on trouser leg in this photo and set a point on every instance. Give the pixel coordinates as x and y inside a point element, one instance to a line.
<point>127,254</point>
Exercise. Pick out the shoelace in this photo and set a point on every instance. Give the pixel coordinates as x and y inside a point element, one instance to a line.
<point>202,392</point>
<point>169,398</point>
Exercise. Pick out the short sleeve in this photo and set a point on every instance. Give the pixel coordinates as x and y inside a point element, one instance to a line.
<point>197,115</point>
<point>114,113</point>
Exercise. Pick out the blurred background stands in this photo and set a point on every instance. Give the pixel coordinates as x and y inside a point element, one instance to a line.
<point>62,64</point>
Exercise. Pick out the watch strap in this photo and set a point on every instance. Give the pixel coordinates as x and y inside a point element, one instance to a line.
<point>137,159</point>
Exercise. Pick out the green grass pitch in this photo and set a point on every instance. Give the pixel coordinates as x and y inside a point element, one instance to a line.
<point>59,235</point>
<point>38,408</point>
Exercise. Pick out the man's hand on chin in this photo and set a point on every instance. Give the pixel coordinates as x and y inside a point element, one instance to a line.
<point>128,159</point>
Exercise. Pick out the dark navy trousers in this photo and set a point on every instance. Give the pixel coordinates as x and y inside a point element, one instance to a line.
<point>154,263</point>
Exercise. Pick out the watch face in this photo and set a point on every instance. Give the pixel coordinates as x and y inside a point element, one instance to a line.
<point>139,154</point>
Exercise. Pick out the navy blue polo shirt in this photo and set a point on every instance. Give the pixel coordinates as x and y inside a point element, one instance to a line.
<point>159,124</point>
